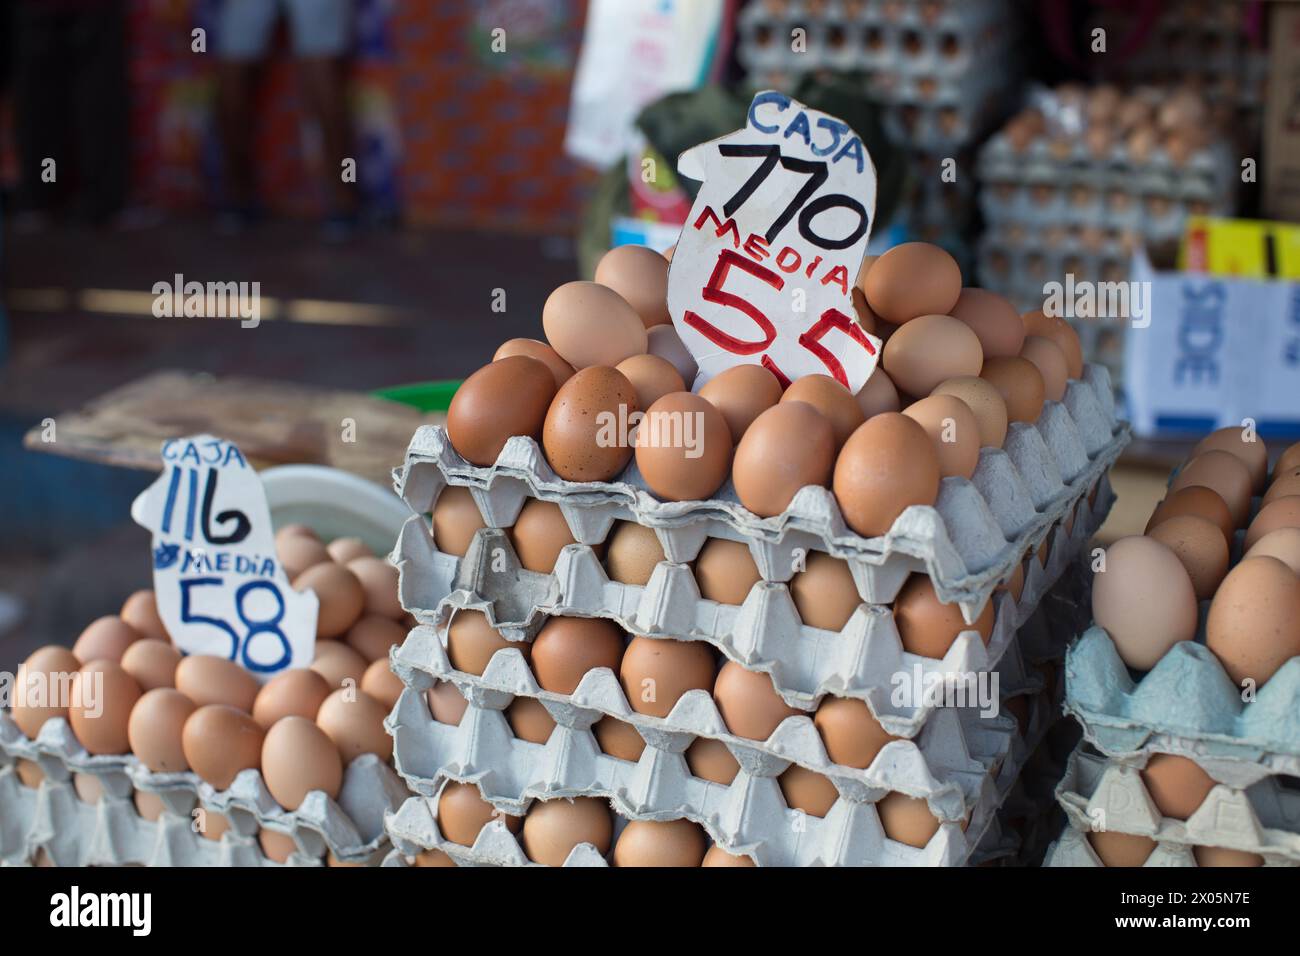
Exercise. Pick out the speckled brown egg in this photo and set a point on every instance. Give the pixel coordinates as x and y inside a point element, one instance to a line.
<point>567,648</point>
<point>824,592</point>
<point>640,276</point>
<point>656,672</point>
<point>219,741</point>
<point>748,702</point>
<point>789,446</point>
<point>683,448</point>
<point>1283,544</point>
<point>583,435</point>
<point>540,351</point>
<point>106,639</point>
<point>1253,626</point>
<point>886,466</point>
<point>553,828</point>
<point>539,534</point>
<point>341,597</point>
<point>927,626</point>
<point>634,551</point>
<point>1201,548</point>
<point>850,731</point>
<point>506,398</point>
<point>456,518</point>
<point>591,324</point>
<point>929,350</point>
<point>741,394</point>
<point>297,759</point>
<point>1020,384</point>
<point>911,280</point>
<point>993,319</point>
<point>661,843</point>
<point>985,402</point>
<point>298,692</point>
<point>155,728</point>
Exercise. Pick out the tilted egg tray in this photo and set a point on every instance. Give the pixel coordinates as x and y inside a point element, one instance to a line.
<point>968,542</point>
<point>350,827</point>
<point>1073,849</point>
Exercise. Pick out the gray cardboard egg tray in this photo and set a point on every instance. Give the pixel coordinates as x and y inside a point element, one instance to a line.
<point>1065,208</point>
<point>968,542</point>
<point>350,827</point>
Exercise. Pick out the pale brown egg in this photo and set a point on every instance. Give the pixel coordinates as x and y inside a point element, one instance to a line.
<point>1194,500</point>
<point>298,552</point>
<point>683,448</point>
<point>276,846</point>
<point>953,430</point>
<point>338,664</point>
<point>717,856</point>
<point>808,791</point>
<point>789,446</point>
<point>741,394</point>
<point>378,580</point>
<point>297,759</point>
<point>906,819</point>
<point>462,813</point>
<point>530,720</point>
<point>1254,623</point>
<point>539,534</point>
<point>878,395</point>
<point>1247,446</point>
<point>148,805</point>
<point>1277,514</point>
<point>748,702</point>
<point>381,683</point>
<point>355,722</point>
<point>911,280</point>
<point>668,253</point>
<point>651,377</point>
<point>471,642</point>
<point>567,648</point>
<point>711,760</point>
<point>88,787</point>
<point>985,402</point>
<point>372,636</point>
<point>298,692</point>
<point>1051,364</point>
<point>583,435</point>
<point>343,550</point>
<point>1283,544</point>
<point>553,828</point>
<point>141,612</point>
<point>341,597</point>
<point>433,858</point>
<point>155,727</point>
<point>656,672</point>
<point>867,263</point>
<point>886,466</point>
<point>993,319</point>
<point>640,276</point>
<point>618,738</point>
<point>590,324</point>
<point>206,679</point>
<point>446,703</point>
<point>928,627</point>
<point>456,518</point>
<point>30,774</point>
<point>824,592</point>
<point>1177,785</point>
<point>210,824</point>
<point>725,571</point>
<point>850,731</point>
<point>664,341</point>
<point>509,397</point>
<point>1290,458</point>
<point>1020,384</point>
<point>540,351</point>
<point>634,550</point>
<point>1059,330</point>
<point>30,710</point>
<point>1221,472</point>
<point>1201,548</point>
<point>1144,599</point>
<point>929,350</point>
<point>862,310</point>
<point>101,698</point>
<point>106,639</point>
<point>661,843</point>
<point>1222,856</point>
<point>830,398</point>
<point>1284,485</point>
<point>1121,849</point>
<point>152,663</point>
<point>219,741</point>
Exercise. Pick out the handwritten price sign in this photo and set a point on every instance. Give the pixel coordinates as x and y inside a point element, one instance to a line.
<point>219,586</point>
<point>773,245</point>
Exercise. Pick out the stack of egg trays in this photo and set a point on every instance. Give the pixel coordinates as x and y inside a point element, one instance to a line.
<point>110,831</point>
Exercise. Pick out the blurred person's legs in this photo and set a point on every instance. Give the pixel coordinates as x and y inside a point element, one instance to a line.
<point>39,86</point>
<point>244,32</point>
<point>100,110</point>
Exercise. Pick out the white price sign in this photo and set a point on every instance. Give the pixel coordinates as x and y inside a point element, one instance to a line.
<point>763,270</point>
<point>219,586</point>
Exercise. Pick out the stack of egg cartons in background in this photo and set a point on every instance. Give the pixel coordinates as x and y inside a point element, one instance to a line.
<point>1187,687</point>
<point>574,679</point>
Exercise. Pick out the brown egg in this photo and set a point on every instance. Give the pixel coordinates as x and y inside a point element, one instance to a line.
<point>471,642</point>
<point>661,843</point>
<point>590,324</point>
<point>1020,384</point>
<point>141,612</point>
<point>711,760</point>
<point>455,520</point>
<point>206,679</point>
<point>993,319</point>
<point>152,663</point>
<point>355,722</point>
<point>1177,786</point>
<point>88,787</point>
<point>807,791</point>
<point>830,398</point>
<point>789,446</point>
<point>717,856</point>
<point>887,465</point>
<point>1222,472</point>
<point>509,397</point>
<point>656,672</point>
<point>824,592</point>
<point>343,550</point>
<point>1121,849</point>
<point>1283,544</point>
<point>210,824</point>
<point>155,727</point>
<point>651,377</point>
<point>640,276</point>
<point>985,402</point>
<point>298,692</point>
<point>906,819</point>
<point>566,648</point>
<point>1254,623</point>
<point>1290,458</point>
<point>634,550</point>
<point>912,279</point>
<point>276,846</point>
<point>1277,514</point>
<point>530,720</point>
<point>31,708</point>
<point>862,311</point>
<point>850,731</point>
<point>1222,856</point>
<point>749,704</point>
<point>668,253</point>
<point>298,552</point>
<point>540,351</point>
<point>446,703</point>
<point>953,430</point>
<point>683,448</point>
<point>553,828</point>
<point>928,627</point>
<point>30,774</point>
<point>341,597</point>
<point>582,435</point>
<point>381,683</point>
<point>1253,452</point>
<point>298,758</point>
<point>725,571</point>
<point>1283,485</point>
<point>741,394</point>
<point>1194,500</point>
<point>101,698</point>
<point>929,350</point>
<point>1015,584</point>
<point>618,738</point>
<point>432,858</point>
<point>539,534</point>
<point>148,805</point>
<point>372,637</point>
<point>1144,599</point>
<point>878,395</point>
<point>106,639</point>
<point>338,664</point>
<point>462,813</point>
<point>1201,547</point>
<point>219,741</point>
<point>1051,364</point>
<point>378,581</point>
<point>664,341</point>
<point>1059,330</point>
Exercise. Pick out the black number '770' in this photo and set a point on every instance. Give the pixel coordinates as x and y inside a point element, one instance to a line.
<point>816,171</point>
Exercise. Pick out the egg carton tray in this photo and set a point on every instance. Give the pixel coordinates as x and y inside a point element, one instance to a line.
<point>968,542</point>
<point>350,827</point>
<point>1072,849</point>
<point>1036,208</point>
<point>1041,161</point>
<point>1185,705</point>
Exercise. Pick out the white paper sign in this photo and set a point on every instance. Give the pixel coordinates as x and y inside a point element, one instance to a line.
<point>219,586</point>
<point>763,270</point>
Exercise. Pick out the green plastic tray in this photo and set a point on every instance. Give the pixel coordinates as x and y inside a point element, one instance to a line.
<point>426,396</point>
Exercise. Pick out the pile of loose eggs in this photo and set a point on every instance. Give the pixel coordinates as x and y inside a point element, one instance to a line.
<point>958,365</point>
<point>1147,592</point>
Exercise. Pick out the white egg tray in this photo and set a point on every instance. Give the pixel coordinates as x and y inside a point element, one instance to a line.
<point>968,542</point>
<point>1073,849</point>
<point>350,827</point>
